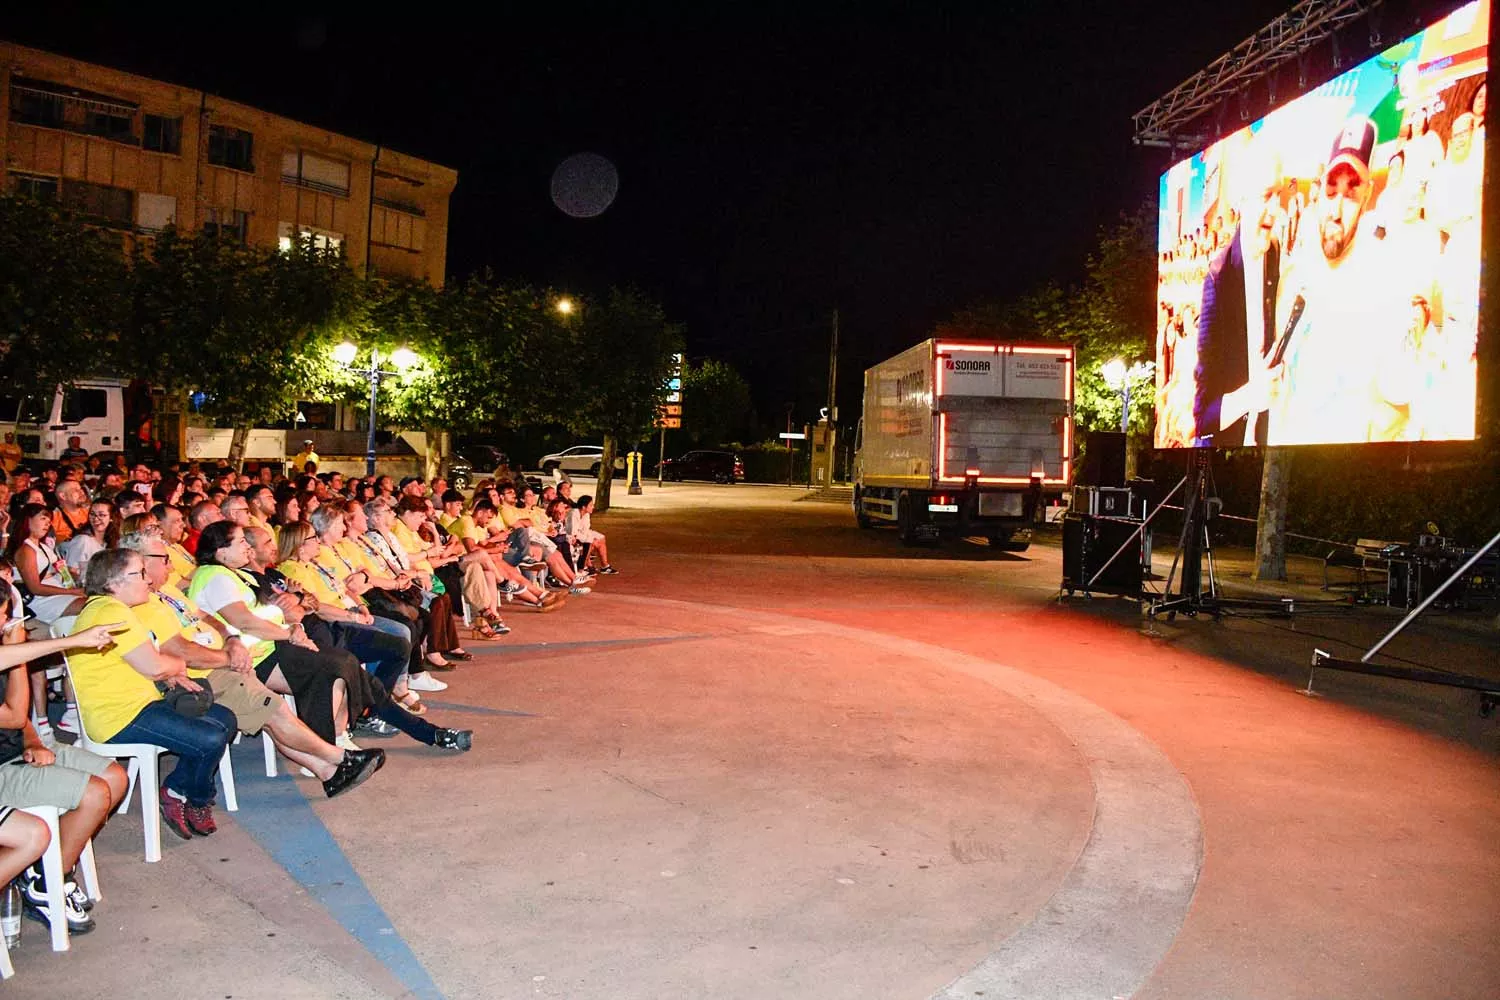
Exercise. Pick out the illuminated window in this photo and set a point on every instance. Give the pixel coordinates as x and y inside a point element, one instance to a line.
<point>322,239</point>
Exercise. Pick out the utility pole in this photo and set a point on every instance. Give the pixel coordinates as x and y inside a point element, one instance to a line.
<point>833,387</point>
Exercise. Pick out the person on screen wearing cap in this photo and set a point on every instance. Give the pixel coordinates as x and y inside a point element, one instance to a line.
<point>1348,322</point>
<point>307,454</point>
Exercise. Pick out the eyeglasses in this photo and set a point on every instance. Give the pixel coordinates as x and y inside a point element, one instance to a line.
<point>137,572</point>
<point>156,555</point>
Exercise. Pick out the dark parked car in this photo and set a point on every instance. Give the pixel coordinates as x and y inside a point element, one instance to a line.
<point>718,466</point>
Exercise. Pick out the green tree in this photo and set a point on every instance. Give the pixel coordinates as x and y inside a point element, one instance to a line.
<point>716,403</point>
<point>63,296</point>
<point>606,369</point>
<point>250,327</point>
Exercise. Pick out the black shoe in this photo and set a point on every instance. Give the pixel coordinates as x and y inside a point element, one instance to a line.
<point>439,667</point>
<point>454,739</point>
<point>34,903</point>
<point>463,657</point>
<point>608,571</point>
<point>356,766</point>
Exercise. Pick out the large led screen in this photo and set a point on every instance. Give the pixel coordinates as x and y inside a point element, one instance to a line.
<point>1319,269</point>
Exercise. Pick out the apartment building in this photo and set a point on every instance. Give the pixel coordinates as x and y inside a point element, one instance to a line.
<point>140,154</point>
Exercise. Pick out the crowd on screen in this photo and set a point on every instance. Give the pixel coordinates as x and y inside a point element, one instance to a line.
<point>186,605</point>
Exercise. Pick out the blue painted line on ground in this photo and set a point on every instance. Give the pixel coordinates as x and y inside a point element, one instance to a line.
<point>562,647</point>
<point>454,706</point>
<point>282,821</point>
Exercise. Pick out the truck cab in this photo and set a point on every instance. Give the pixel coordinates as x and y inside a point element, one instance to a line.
<point>93,410</point>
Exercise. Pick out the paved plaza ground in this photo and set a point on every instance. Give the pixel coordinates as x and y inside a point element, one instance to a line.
<point>779,757</point>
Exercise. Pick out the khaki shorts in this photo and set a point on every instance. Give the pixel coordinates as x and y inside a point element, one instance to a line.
<point>252,703</point>
<point>60,784</point>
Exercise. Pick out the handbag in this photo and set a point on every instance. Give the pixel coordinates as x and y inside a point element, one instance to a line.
<point>188,702</point>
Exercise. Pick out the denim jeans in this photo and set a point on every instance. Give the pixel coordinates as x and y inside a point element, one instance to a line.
<point>198,744</point>
<point>385,644</point>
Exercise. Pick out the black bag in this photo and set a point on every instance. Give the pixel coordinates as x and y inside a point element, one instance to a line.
<point>188,702</point>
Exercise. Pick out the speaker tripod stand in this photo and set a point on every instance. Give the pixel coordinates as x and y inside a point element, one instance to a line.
<point>1198,592</point>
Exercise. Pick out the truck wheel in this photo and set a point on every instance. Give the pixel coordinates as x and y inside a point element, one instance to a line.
<point>906,527</point>
<point>860,517</point>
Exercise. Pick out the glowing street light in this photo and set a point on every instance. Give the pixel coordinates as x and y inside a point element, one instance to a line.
<point>1120,377</point>
<point>403,358</point>
<point>565,306</point>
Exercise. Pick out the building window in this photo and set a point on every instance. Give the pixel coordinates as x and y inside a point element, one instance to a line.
<point>34,186</point>
<point>322,239</point>
<point>227,224</point>
<point>155,211</point>
<point>317,172</point>
<point>230,147</point>
<point>53,105</point>
<point>112,204</point>
<point>161,134</point>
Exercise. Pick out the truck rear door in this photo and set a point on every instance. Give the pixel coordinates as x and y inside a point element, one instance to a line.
<point>1004,414</point>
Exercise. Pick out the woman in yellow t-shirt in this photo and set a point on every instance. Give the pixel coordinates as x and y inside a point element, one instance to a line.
<point>119,699</point>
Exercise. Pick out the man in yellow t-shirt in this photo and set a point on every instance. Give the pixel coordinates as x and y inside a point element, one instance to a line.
<point>119,700</point>
<point>307,454</point>
<point>181,629</point>
<point>173,531</point>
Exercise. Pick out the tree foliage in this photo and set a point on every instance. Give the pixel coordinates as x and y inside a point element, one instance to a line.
<point>715,403</point>
<point>63,296</point>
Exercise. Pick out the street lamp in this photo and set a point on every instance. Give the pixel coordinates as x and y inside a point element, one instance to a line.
<point>565,306</point>
<point>402,358</point>
<point>1120,377</point>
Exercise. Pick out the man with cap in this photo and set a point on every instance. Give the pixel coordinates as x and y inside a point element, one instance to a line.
<point>1347,324</point>
<point>307,454</point>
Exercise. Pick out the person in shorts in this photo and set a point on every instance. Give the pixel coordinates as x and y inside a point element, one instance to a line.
<point>85,786</point>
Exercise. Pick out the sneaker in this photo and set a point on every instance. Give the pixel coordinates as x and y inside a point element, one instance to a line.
<point>500,627</point>
<point>424,682</point>
<point>34,903</point>
<point>581,578</point>
<point>346,742</point>
<point>454,739</point>
<point>174,814</point>
<point>200,819</point>
<point>70,723</point>
<point>512,587</point>
<point>44,731</point>
<point>607,571</point>
<point>353,770</point>
<point>375,727</point>
<point>77,897</point>
<point>580,590</point>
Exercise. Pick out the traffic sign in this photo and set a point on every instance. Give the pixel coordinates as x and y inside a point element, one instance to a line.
<point>785,436</point>
<point>672,409</point>
<point>670,423</point>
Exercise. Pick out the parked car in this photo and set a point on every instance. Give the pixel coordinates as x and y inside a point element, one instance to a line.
<point>485,458</point>
<point>580,458</point>
<point>718,466</point>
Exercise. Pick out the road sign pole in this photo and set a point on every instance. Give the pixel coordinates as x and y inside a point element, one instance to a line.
<point>662,458</point>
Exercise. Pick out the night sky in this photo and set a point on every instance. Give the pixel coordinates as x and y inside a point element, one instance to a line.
<point>895,162</point>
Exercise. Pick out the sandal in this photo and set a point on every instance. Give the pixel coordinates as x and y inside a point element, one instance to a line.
<point>411,703</point>
<point>482,630</point>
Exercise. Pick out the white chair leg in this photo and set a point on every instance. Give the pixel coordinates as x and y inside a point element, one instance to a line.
<point>226,778</point>
<point>150,804</point>
<point>53,874</point>
<point>88,872</point>
<point>132,772</point>
<point>6,969</point>
<point>270,750</point>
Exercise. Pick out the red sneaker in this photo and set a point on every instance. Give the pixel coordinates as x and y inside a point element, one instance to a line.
<point>174,814</point>
<point>200,819</point>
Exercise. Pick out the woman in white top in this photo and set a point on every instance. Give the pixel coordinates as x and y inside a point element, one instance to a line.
<point>99,533</point>
<point>44,574</point>
<point>578,526</point>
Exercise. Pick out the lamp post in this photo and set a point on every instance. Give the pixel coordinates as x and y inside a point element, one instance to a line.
<point>402,358</point>
<point>1120,377</point>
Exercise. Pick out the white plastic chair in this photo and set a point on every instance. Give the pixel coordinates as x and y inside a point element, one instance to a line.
<point>6,969</point>
<point>52,869</point>
<point>270,747</point>
<point>143,764</point>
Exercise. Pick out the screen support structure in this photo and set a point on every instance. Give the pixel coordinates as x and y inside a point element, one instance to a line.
<point>1199,589</point>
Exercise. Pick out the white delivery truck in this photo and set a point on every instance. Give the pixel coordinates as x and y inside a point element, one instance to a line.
<point>965,438</point>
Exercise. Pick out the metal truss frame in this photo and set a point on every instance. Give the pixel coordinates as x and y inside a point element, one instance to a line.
<point>1164,121</point>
